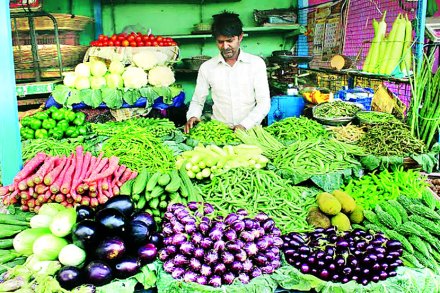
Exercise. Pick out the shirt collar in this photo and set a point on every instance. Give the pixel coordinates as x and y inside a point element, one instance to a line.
<point>243,57</point>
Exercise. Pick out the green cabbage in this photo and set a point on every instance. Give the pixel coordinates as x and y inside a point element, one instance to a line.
<point>98,68</point>
<point>97,82</point>
<point>83,69</point>
<point>116,67</point>
<point>69,79</point>
<point>114,81</point>
<point>82,82</point>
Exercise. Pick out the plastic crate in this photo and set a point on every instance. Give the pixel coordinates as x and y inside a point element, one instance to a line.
<point>362,96</point>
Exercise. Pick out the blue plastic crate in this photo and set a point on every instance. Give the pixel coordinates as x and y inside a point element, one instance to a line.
<point>362,96</point>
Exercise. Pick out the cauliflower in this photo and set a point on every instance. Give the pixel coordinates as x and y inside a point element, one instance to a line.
<point>145,60</point>
<point>161,76</point>
<point>134,77</point>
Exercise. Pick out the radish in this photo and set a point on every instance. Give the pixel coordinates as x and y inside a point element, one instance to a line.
<point>55,172</point>
<point>30,166</point>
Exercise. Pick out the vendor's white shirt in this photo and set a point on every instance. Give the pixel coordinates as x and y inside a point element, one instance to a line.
<point>240,93</point>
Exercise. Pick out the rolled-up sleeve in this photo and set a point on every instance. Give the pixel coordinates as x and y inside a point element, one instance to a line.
<point>200,93</point>
<point>262,97</point>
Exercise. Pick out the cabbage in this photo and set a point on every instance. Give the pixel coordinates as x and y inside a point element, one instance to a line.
<point>114,81</point>
<point>145,59</point>
<point>83,69</point>
<point>69,79</point>
<point>116,67</point>
<point>24,241</point>
<point>82,82</point>
<point>97,82</point>
<point>98,68</point>
<point>135,78</point>
<point>161,76</point>
<point>72,255</point>
<point>47,247</point>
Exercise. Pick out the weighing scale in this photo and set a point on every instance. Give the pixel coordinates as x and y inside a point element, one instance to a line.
<point>433,28</point>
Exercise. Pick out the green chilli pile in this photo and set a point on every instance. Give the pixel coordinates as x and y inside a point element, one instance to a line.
<point>257,190</point>
<point>391,139</point>
<point>336,109</point>
<point>293,129</point>
<point>317,156</point>
<point>213,131</point>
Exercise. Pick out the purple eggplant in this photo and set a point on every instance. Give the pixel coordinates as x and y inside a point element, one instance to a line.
<point>202,280</point>
<point>188,220</point>
<point>196,238</point>
<point>206,243</point>
<point>193,205</point>
<point>179,238</point>
<point>261,217</point>
<point>242,212</point>
<point>205,270</point>
<point>163,255</point>
<point>219,269</point>
<point>237,267</point>
<point>177,273</point>
<point>230,235</point>
<point>219,245</point>
<point>276,263</point>
<point>204,228</point>
<point>267,269</point>
<point>181,214</point>
<point>168,266</point>
<point>238,226</point>
<point>216,234</point>
<point>211,257</point>
<point>215,281</point>
<point>244,278</point>
<point>98,273</point>
<point>228,278</point>
<point>199,253</point>
<point>189,277</point>
<point>231,218</point>
<point>260,259</point>
<point>110,249</point>
<point>138,232</point>
<point>190,228</point>
<point>122,203</point>
<point>247,265</point>
<point>241,255</point>
<point>208,208</point>
<point>167,230</point>
<point>251,248</point>
<point>268,225</point>
<point>187,248</point>
<point>195,264</point>
<point>147,253</point>
<point>248,223</point>
<point>277,241</point>
<point>168,215</point>
<point>113,220</point>
<point>126,267</point>
<point>84,213</point>
<point>178,227</point>
<point>180,260</point>
<point>247,236</point>
<point>168,240</point>
<point>156,239</point>
<point>173,207</point>
<point>256,272</point>
<point>69,277</point>
<point>86,234</point>
<point>227,257</point>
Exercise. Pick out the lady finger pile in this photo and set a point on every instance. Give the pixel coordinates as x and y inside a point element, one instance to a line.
<point>79,178</point>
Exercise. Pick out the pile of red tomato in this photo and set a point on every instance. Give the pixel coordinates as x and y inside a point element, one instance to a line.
<point>132,40</point>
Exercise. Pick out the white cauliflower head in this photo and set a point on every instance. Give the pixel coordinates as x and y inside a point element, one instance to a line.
<point>134,77</point>
<point>145,59</point>
<point>161,76</point>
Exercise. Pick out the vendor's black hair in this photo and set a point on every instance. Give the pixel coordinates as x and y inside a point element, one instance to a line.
<point>227,24</point>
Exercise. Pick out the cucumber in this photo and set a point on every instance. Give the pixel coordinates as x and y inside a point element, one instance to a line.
<point>140,182</point>
<point>153,181</point>
<point>174,183</point>
<point>126,188</point>
<point>164,179</point>
<point>141,203</point>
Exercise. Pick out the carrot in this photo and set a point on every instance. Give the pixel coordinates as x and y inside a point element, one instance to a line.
<point>30,181</point>
<point>92,186</point>
<point>30,166</point>
<point>85,201</point>
<point>78,166</point>
<point>55,187</point>
<point>94,202</point>
<point>116,190</point>
<point>69,200</point>
<point>55,172</point>
<point>93,194</point>
<point>37,208</point>
<point>118,174</point>
<point>22,185</point>
<point>39,200</point>
<point>127,174</point>
<point>78,179</point>
<point>104,184</point>
<point>24,208</point>
<point>99,191</point>
<point>60,197</point>
<point>41,188</point>
<point>31,203</point>
<point>64,203</point>
<point>44,169</point>
<point>47,195</point>
<point>112,167</point>
<point>99,167</point>
<point>102,199</point>
<point>65,187</point>
<point>25,195</point>
<point>4,190</point>
<point>95,165</point>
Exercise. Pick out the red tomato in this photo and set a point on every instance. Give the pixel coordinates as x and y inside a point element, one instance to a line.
<point>161,44</point>
<point>133,44</point>
<point>155,44</point>
<point>140,44</point>
<point>110,43</point>
<point>114,37</point>
<point>105,38</point>
<point>145,39</point>
<point>138,39</point>
<point>117,43</point>
<point>148,43</point>
<point>99,44</point>
<point>121,37</point>
<point>133,34</point>
<point>130,38</point>
<point>173,43</point>
<point>101,37</point>
<point>159,38</point>
<point>139,34</point>
<point>152,38</point>
<point>92,43</point>
<point>105,43</point>
<point>125,43</point>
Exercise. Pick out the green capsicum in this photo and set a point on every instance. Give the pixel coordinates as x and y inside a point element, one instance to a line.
<point>27,133</point>
<point>80,118</point>
<point>69,115</point>
<point>58,115</point>
<point>56,133</point>
<point>52,109</point>
<point>63,125</point>
<point>41,116</point>
<point>82,129</point>
<point>72,131</point>
<point>41,133</point>
<point>49,123</point>
<point>34,123</point>
<point>25,121</point>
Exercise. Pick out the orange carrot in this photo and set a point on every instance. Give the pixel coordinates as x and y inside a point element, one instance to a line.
<point>67,180</point>
<point>44,169</point>
<point>55,187</point>
<point>94,202</point>
<point>30,167</point>
<point>55,172</point>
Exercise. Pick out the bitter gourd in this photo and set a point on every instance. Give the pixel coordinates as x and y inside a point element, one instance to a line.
<point>400,209</point>
<point>423,211</point>
<point>392,211</point>
<point>429,225</point>
<point>385,218</point>
<point>428,199</point>
<point>419,245</point>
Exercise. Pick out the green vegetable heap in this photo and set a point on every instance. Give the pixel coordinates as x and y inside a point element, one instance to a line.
<point>54,122</point>
<point>372,117</point>
<point>293,129</point>
<point>337,109</point>
<point>213,131</point>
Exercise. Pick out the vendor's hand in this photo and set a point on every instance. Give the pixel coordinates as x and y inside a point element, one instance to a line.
<point>191,123</point>
<point>239,126</point>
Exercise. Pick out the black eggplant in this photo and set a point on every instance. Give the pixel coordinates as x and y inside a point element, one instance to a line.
<point>98,273</point>
<point>147,219</point>
<point>147,253</point>
<point>86,234</point>
<point>111,249</point>
<point>122,203</point>
<point>138,232</point>
<point>84,212</point>
<point>156,239</point>
<point>69,277</point>
<point>127,267</point>
<point>113,220</point>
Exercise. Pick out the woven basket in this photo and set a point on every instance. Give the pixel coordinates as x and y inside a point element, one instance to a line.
<point>70,56</point>
<point>64,21</point>
<point>42,38</point>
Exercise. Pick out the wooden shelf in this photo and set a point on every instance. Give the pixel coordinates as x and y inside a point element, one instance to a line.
<point>351,72</point>
<point>288,30</point>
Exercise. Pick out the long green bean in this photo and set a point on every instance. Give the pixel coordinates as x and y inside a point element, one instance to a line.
<point>213,131</point>
<point>261,191</point>
<point>336,109</point>
<point>294,128</point>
